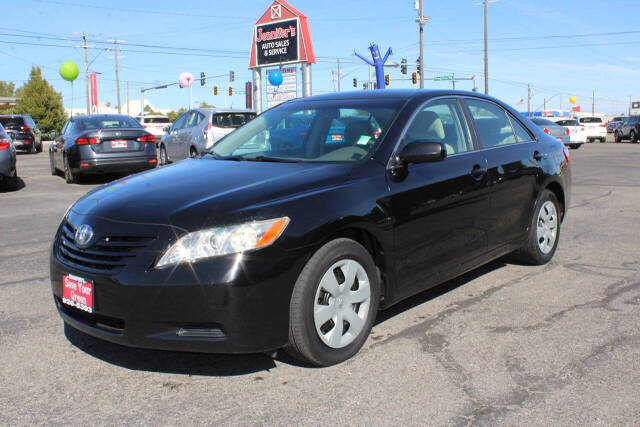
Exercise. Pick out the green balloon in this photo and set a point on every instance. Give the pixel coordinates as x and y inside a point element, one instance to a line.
<point>69,71</point>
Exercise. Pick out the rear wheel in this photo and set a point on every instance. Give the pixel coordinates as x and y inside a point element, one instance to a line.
<point>193,153</point>
<point>40,147</point>
<point>617,137</point>
<point>334,304</point>
<point>603,140</point>
<point>633,137</point>
<point>33,149</point>
<point>52,167</point>
<point>69,176</point>
<point>11,182</point>
<point>163,156</point>
<point>544,231</point>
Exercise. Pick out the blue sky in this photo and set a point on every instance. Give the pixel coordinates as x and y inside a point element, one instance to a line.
<point>560,48</point>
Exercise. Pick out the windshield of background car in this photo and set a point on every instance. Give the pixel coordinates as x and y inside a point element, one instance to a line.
<point>106,122</point>
<point>330,131</point>
<point>11,122</point>
<point>543,122</point>
<point>590,120</point>
<point>231,120</point>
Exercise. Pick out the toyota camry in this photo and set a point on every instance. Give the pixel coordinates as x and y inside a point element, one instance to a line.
<point>295,229</point>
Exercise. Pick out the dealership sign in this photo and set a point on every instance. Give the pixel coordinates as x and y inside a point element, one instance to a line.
<point>285,91</point>
<point>281,36</point>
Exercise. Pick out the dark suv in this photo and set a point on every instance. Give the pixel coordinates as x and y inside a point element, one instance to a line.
<point>23,131</point>
<point>630,129</point>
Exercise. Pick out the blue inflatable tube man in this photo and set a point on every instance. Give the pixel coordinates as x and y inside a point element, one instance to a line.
<point>378,62</point>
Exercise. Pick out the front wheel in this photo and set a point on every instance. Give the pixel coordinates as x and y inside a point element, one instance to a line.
<point>193,153</point>
<point>163,156</point>
<point>617,137</point>
<point>11,182</point>
<point>52,167</point>
<point>633,137</point>
<point>544,231</point>
<point>334,304</point>
<point>69,176</point>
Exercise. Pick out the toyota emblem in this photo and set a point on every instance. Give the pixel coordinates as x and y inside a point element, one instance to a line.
<point>83,235</point>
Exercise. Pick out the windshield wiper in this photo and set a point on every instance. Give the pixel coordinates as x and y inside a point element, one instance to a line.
<point>270,159</point>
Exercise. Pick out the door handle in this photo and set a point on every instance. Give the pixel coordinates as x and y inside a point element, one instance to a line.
<point>478,172</point>
<point>538,156</point>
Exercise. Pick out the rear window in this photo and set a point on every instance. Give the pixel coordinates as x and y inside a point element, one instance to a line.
<point>590,120</point>
<point>231,120</point>
<point>568,123</point>
<point>106,122</point>
<point>12,121</point>
<point>157,120</point>
<point>543,122</point>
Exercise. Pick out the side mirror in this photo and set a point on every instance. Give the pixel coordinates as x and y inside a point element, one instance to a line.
<point>166,129</point>
<point>422,152</point>
<point>53,134</point>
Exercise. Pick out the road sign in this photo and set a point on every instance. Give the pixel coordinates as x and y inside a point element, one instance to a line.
<point>443,78</point>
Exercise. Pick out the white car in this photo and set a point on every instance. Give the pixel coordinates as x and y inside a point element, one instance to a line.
<point>595,128</point>
<point>154,124</point>
<point>577,132</point>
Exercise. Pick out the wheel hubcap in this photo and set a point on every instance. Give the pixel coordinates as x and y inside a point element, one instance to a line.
<point>342,302</point>
<point>547,227</point>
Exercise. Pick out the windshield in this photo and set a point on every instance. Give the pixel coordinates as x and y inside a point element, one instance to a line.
<point>543,122</point>
<point>231,120</point>
<point>106,122</point>
<point>334,131</point>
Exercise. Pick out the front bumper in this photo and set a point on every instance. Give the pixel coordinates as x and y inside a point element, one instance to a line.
<point>231,304</point>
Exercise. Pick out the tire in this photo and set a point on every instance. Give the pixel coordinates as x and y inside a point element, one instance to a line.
<point>539,250</point>
<point>603,140</point>
<point>575,146</point>
<point>193,153</point>
<point>633,138</point>
<point>327,343</point>
<point>33,149</point>
<point>164,160</point>
<point>69,176</point>
<point>11,182</point>
<point>40,147</point>
<point>52,168</point>
<point>617,137</point>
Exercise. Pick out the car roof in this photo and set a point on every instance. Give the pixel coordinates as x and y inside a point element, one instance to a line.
<point>223,110</point>
<point>89,116</point>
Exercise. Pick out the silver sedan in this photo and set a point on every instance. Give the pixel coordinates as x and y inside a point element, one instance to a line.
<point>560,133</point>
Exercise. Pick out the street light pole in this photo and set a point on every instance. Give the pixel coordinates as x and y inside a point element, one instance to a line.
<point>421,21</point>
<point>486,51</point>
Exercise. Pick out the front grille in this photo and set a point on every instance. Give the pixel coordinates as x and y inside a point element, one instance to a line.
<point>108,255</point>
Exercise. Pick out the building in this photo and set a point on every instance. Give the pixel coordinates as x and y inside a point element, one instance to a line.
<point>108,108</point>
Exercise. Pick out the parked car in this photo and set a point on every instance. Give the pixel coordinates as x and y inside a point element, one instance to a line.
<point>560,133</point>
<point>24,132</point>
<point>594,127</point>
<point>196,130</point>
<point>577,133</point>
<point>250,250</point>
<point>154,124</point>
<point>614,124</point>
<point>8,168</point>
<point>102,143</point>
<point>630,129</point>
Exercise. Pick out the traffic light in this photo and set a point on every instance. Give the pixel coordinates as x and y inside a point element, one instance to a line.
<point>215,90</point>
<point>414,78</point>
<point>418,65</point>
<point>232,76</point>
<point>202,79</point>
<point>403,66</point>
<point>365,86</point>
<point>230,91</point>
<point>387,79</point>
<point>355,82</point>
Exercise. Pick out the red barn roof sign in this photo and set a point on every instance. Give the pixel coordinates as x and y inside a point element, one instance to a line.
<point>281,36</point>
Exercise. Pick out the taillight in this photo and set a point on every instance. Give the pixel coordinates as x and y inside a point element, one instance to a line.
<point>24,128</point>
<point>565,151</point>
<point>603,126</point>
<point>566,131</point>
<point>547,131</point>
<point>146,138</point>
<point>4,144</point>
<point>86,141</point>
<point>209,126</point>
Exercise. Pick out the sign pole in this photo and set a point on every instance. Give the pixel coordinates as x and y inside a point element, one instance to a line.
<point>257,90</point>
<point>306,79</point>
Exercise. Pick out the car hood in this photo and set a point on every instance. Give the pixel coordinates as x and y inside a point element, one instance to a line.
<point>204,192</point>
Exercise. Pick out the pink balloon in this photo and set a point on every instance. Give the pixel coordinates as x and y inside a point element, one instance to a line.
<point>185,79</point>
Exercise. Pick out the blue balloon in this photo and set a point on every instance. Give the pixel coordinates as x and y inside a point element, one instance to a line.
<point>275,78</point>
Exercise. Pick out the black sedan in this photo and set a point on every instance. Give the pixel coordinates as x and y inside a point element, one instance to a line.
<point>23,131</point>
<point>264,244</point>
<point>100,144</point>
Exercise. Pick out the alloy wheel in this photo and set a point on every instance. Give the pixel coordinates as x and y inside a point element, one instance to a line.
<point>342,302</point>
<point>547,227</point>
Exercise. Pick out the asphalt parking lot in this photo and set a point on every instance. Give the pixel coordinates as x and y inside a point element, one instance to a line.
<point>507,344</point>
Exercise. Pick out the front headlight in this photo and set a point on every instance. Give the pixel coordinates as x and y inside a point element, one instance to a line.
<point>224,241</point>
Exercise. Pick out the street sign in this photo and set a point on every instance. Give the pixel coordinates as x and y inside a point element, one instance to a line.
<point>443,78</point>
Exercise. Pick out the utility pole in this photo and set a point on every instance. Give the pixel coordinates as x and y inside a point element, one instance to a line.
<point>339,71</point>
<point>544,108</point>
<point>528,100</point>
<point>128,98</point>
<point>115,54</point>
<point>453,80</point>
<point>86,70</point>
<point>421,21</point>
<point>486,51</point>
<point>593,102</point>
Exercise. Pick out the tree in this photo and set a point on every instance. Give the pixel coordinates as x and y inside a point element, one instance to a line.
<point>173,115</point>
<point>39,100</point>
<point>205,104</point>
<point>7,90</point>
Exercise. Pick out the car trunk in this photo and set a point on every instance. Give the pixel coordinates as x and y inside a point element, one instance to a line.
<point>116,140</point>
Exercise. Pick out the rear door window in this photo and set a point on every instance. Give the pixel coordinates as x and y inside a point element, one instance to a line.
<point>492,123</point>
<point>522,134</point>
<point>180,121</point>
